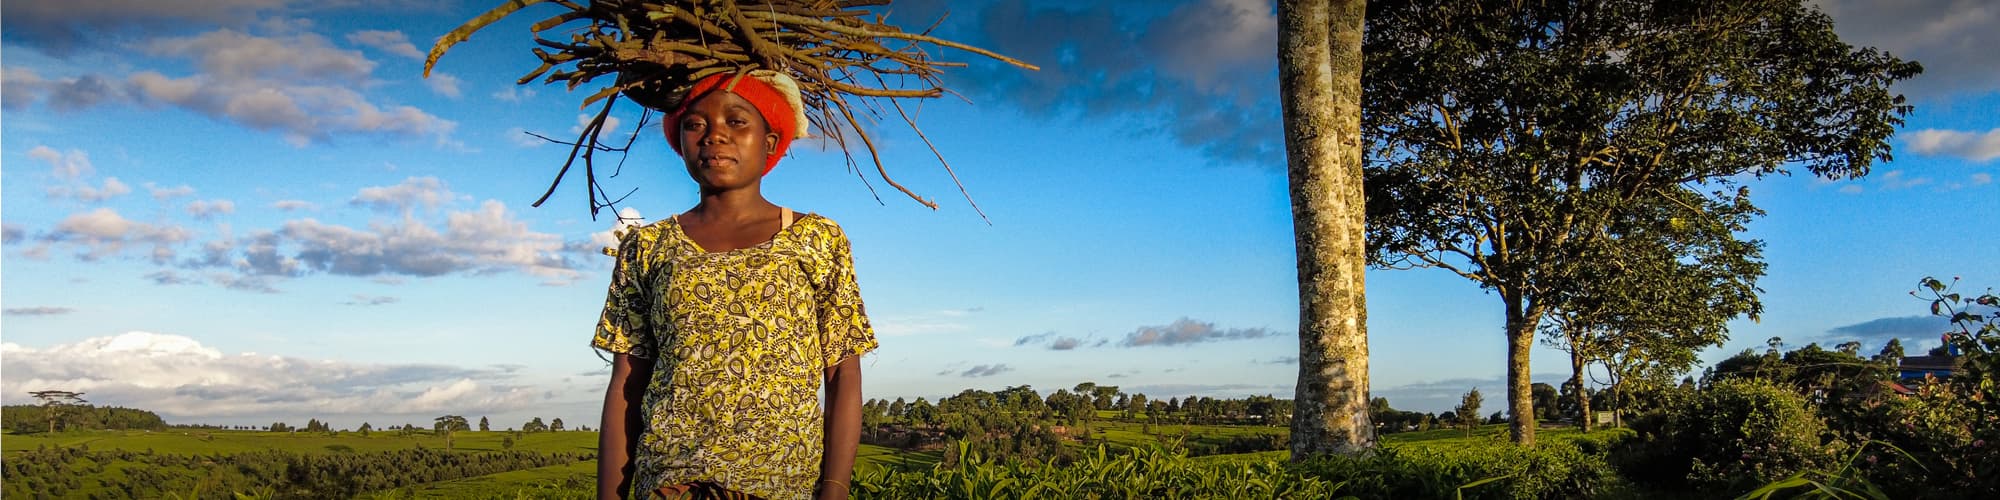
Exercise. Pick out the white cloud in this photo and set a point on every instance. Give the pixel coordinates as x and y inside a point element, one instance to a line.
<point>60,27</point>
<point>1851,189</point>
<point>610,126</point>
<point>11,233</point>
<point>628,218</point>
<point>1975,146</point>
<point>1981,179</point>
<point>205,209</point>
<point>427,192</point>
<point>72,165</point>
<point>102,232</point>
<point>1895,179</point>
<point>487,239</point>
<point>1188,331</point>
<point>393,42</point>
<point>85,193</point>
<point>164,194</point>
<point>182,379</point>
<point>443,84</point>
<point>232,55</point>
<point>293,205</point>
<point>514,94</point>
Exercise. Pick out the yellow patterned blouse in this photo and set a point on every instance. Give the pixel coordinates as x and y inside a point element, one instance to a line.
<point>741,340</point>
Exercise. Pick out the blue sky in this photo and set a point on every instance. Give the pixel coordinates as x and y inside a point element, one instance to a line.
<point>240,211</point>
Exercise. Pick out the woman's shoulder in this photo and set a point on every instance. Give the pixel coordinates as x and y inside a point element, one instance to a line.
<point>817,225</point>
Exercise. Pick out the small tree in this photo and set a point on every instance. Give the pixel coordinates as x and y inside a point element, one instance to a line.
<point>448,425</point>
<point>1468,410</point>
<point>535,425</point>
<point>483,427</point>
<point>56,402</point>
<point>556,425</point>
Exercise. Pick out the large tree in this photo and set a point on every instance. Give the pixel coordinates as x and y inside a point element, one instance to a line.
<point>1319,81</point>
<point>1507,137</point>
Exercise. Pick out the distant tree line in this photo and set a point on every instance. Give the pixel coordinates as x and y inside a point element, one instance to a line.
<point>25,419</point>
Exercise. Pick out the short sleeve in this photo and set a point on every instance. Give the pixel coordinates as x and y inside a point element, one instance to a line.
<point>624,328</point>
<point>843,321</point>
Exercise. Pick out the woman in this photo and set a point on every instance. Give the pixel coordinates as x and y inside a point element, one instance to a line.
<point>725,321</point>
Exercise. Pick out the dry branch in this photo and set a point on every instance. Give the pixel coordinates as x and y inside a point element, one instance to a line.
<point>657,49</point>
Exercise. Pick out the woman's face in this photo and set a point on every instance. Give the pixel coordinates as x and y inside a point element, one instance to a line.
<point>724,141</point>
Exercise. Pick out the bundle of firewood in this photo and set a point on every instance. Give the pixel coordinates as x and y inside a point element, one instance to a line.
<point>847,60</point>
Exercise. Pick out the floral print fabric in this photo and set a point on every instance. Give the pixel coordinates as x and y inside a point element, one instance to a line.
<point>740,342</point>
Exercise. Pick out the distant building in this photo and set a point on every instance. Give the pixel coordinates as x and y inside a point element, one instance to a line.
<point>1916,367</point>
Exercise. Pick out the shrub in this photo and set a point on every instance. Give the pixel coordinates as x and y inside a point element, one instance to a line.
<point>1549,470</point>
<point>1731,436</point>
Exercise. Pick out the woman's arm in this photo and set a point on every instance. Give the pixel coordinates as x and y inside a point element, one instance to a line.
<point>843,427</point>
<point>618,432</point>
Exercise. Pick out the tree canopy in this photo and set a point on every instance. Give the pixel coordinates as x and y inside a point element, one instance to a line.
<point>1510,141</point>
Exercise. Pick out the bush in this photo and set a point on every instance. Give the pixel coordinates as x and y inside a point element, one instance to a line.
<point>1729,437</point>
<point>1549,470</point>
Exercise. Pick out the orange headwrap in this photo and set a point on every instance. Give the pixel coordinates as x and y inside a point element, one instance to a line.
<point>774,95</point>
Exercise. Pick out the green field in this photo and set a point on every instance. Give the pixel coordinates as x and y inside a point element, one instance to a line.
<point>566,481</point>
<point>213,442</point>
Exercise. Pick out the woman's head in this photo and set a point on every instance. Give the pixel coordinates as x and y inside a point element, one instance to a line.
<point>727,117</point>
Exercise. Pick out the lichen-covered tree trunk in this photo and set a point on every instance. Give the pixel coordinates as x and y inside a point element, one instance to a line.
<point>1319,78</point>
<point>1521,321</point>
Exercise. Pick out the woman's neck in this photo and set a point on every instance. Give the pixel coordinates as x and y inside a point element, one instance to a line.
<point>732,205</point>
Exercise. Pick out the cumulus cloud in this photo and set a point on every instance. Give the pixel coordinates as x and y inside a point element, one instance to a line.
<point>427,192</point>
<point>180,378</point>
<point>985,371</point>
<point>38,311</point>
<point>86,193</point>
<point>392,42</point>
<point>67,166</point>
<point>205,209</point>
<point>11,233</point>
<point>102,232</point>
<point>63,27</point>
<point>607,240</point>
<point>443,84</point>
<point>168,193</point>
<point>1053,341</point>
<point>293,205</point>
<point>1895,179</point>
<point>514,94</point>
<point>1952,38</point>
<point>1210,390</point>
<point>297,85</point>
<point>1973,146</point>
<point>1187,331</point>
<point>484,240</point>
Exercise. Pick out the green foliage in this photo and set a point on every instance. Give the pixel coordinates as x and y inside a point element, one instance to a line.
<point>1518,144</point>
<point>26,419</point>
<point>80,471</point>
<point>1727,437</point>
<point>1149,473</point>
